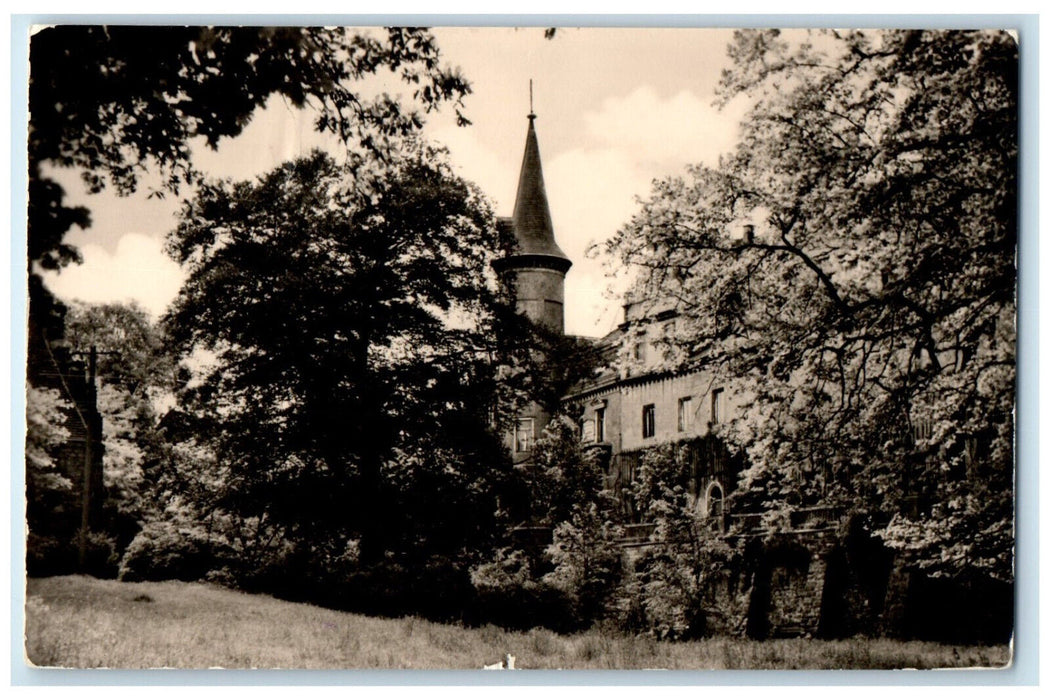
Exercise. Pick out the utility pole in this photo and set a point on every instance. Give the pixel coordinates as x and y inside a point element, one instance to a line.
<point>89,455</point>
<point>91,397</point>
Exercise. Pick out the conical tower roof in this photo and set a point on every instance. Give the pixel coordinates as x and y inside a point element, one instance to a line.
<point>532,217</point>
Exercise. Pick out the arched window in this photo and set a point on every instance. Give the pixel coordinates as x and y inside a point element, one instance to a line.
<point>715,503</point>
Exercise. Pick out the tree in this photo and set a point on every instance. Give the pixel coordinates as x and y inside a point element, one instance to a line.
<point>850,269</point>
<point>44,432</point>
<point>52,512</point>
<point>351,318</point>
<point>135,378</point>
<point>567,491</point>
<point>120,101</point>
<point>561,477</point>
<point>117,102</point>
<point>677,587</point>
<point>132,377</point>
<point>565,585</point>
<point>135,357</point>
<point>587,559</point>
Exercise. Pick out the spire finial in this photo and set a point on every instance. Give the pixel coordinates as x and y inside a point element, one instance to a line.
<point>532,115</point>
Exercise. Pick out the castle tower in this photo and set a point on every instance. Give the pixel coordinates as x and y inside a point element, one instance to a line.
<point>538,265</point>
<point>537,270</point>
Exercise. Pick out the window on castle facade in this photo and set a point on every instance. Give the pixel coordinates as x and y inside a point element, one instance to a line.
<point>599,425</point>
<point>649,421</point>
<point>716,506</point>
<point>685,413</point>
<point>525,435</point>
<point>639,351</point>
<point>718,406</point>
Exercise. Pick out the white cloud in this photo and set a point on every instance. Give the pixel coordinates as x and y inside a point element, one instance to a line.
<point>680,129</point>
<point>593,189</point>
<point>478,164</point>
<point>592,194</point>
<point>138,270</point>
<point>276,134</point>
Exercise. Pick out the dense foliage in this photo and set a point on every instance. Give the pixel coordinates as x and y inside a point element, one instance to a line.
<point>135,381</point>
<point>849,269</point>
<point>676,584</point>
<point>348,364</point>
<point>127,106</point>
<point>563,585</point>
<point>347,327</point>
<point>670,589</point>
<point>45,432</point>
<point>117,102</point>
<point>134,376</point>
<point>50,501</point>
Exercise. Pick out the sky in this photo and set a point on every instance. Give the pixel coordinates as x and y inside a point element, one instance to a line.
<point>616,109</point>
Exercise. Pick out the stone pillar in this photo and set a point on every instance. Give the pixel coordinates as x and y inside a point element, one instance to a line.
<point>892,620</point>
<point>813,595</point>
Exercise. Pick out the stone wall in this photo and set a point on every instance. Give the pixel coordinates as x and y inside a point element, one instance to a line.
<point>812,583</point>
<point>787,576</point>
<point>831,583</point>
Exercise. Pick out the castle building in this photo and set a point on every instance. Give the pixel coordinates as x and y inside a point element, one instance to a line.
<point>633,403</point>
<point>536,270</point>
<point>629,404</point>
<point>811,580</point>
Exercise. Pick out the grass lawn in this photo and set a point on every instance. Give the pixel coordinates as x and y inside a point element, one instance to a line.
<point>77,621</point>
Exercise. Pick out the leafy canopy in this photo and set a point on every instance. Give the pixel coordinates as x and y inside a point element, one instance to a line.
<point>135,379</point>
<point>849,269</point>
<point>350,321</point>
<point>117,102</point>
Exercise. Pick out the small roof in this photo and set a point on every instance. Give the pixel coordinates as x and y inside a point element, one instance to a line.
<point>532,217</point>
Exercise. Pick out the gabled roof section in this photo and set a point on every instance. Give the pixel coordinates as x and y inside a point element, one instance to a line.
<point>532,217</point>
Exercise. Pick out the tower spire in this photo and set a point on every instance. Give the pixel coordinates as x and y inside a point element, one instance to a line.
<point>537,265</point>
<point>532,114</point>
<point>533,228</point>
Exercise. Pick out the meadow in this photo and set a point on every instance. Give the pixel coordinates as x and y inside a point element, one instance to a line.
<point>81,622</point>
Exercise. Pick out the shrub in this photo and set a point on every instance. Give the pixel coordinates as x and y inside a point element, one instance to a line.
<point>434,588</point>
<point>672,599</point>
<point>509,594</point>
<point>102,559</point>
<point>54,556</point>
<point>587,562</point>
<point>625,607</point>
<point>49,556</point>
<point>681,581</point>
<point>162,551</point>
<point>222,576</point>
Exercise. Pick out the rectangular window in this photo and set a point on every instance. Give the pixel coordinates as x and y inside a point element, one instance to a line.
<point>599,425</point>
<point>718,406</point>
<point>639,351</point>
<point>685,413</point>
<point>649,421</point>
<point>524,435</point>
